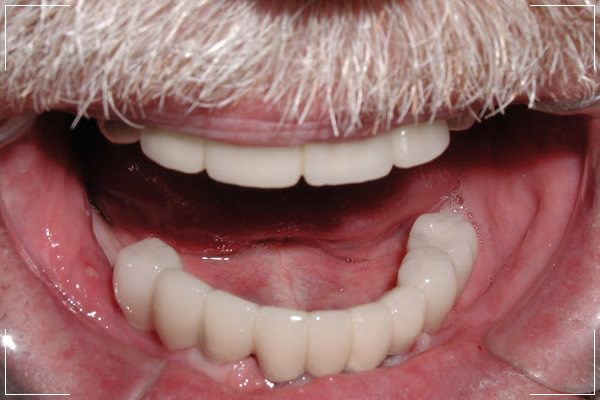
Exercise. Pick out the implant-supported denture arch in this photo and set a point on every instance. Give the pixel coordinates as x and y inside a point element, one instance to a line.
<point>155,293</point>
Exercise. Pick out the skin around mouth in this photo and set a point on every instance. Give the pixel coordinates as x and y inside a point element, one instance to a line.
<point>526,180</point>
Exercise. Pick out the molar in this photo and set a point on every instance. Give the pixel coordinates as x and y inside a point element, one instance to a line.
<point>450,233</point>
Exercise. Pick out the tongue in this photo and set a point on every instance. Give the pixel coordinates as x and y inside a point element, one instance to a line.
<point>55,236</point>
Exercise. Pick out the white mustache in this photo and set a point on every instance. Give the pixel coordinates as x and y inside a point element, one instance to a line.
<point>308,60</point>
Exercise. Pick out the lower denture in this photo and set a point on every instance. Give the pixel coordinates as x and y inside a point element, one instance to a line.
<point>153,291</point>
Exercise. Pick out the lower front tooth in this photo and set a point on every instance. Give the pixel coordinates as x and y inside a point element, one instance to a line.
<point>431,270</point>
<point>136,269</point>
<point>178,307</point>
<point>406,305</point>
<point>228,327</point>
<point>280,341</point>
<point>329,341</point>
<point>371,336</point>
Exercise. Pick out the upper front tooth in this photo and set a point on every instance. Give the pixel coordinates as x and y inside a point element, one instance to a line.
<point>136,269</point>
<point>277,167</point>
<point>449,232</point>
<point>261,167</point>
<point>351,162</point>
<point>430,270</point>
<point>418,144</point>
<point>179,300</point>
<point>172,150</point>
<point>118,132</point>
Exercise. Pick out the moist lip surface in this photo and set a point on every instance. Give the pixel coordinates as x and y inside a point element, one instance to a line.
<point>498,173</point>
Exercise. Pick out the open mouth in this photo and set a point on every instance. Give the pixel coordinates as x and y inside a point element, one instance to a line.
<point>179,266</point>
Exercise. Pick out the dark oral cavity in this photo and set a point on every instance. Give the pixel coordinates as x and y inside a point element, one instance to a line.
<point>498,172</point>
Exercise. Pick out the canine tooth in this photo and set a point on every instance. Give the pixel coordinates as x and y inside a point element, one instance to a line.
<point>447,231</point>
<point>228,327</point>
<point>351,162</point>
<point>406,305</point>
<point>136,269</point>
<point>430,270</point>
<point>371,336</point>
<point>329,341</point>
<point>177,151</point>
<point>418,144</point>
<point>118,132</point>
<point>261,167</point>
<point>280,340</point>
<point>179,300</point>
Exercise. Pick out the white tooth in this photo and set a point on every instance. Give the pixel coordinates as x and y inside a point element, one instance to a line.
<point>118,132</point>
<point>280,341</point>
<point>407,307</point>
<point>418,144</point>
<point>448,232</point>
<point>329,342</point>
<point>228,327</point>
<point>256,166</point>
<point>178,306</point>
<point>371,336</point>
<point>105,238</point>
<point>431,270</point>
<point>136,269</point>
<point>351,162</point>
<point>177,151</point>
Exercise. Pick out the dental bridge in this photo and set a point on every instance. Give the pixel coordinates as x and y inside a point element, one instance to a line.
<point>155,292</point>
